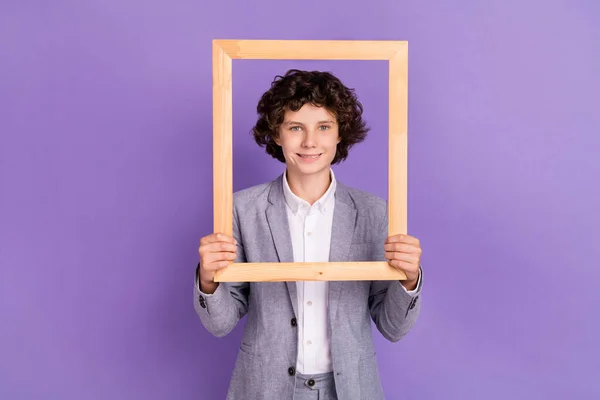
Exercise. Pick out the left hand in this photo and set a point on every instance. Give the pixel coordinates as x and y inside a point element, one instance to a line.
<point>404,253</point>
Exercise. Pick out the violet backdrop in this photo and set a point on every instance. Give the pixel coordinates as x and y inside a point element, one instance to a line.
<point>106,188</point>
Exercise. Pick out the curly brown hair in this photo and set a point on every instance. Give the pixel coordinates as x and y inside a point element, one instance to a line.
<point>321,89</point>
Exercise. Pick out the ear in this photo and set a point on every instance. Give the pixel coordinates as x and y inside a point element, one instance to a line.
<point>277,141</point>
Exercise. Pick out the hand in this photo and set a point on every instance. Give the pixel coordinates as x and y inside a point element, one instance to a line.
<point>403,252</point>
<point>216,251</point>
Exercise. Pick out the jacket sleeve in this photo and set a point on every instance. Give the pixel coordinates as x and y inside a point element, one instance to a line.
<point>393,309</point>
<point>220,311</point>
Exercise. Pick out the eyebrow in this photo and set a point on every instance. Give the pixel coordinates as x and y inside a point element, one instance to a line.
<point>300,123</point>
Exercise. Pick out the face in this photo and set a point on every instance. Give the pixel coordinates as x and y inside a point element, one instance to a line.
<point>308,138</point>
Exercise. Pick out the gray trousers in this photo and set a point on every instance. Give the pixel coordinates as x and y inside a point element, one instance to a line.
<point>315,387</point>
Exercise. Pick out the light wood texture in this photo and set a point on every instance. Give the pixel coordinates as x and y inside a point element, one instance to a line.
<point>222,142</point>
<point>398,142</point>
<point>223,53</point>
<point>310,49</point>
<point>324,271</point>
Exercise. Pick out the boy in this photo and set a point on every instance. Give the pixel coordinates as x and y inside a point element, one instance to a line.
<point>308,340</point>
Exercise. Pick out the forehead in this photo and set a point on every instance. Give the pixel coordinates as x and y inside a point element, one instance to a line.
<point>309,114</point>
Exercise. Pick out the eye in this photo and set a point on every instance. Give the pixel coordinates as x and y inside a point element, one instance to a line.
<point>324,127</point>
<point>295,128</point>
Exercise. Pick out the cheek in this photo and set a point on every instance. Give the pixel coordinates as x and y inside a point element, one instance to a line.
<point>286,141</point>
<point>335,141</point>
<point>288,147</point>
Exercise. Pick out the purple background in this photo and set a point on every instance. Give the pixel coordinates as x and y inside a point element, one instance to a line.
<point>105,189</point>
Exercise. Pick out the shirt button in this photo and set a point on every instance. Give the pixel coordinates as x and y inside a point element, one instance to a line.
<point>309,233</point>
<point>309,303</point>
<point>309,342</point>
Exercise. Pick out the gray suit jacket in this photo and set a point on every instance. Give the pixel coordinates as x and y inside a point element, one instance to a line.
<point>265,366</point>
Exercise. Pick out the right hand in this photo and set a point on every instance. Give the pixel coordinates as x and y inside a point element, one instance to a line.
<point>217,251</point>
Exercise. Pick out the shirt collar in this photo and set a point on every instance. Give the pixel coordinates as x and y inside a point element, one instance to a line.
<point>296,203</point>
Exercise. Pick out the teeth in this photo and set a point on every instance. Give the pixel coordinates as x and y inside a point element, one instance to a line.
<point>307,156</point>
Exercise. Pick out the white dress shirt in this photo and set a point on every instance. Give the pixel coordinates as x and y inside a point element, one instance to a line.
<point>310,231</point>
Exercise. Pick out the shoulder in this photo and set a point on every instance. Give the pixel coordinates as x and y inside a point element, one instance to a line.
<point>254,196</point>
<point>371,214</point>
<point>366,202</point>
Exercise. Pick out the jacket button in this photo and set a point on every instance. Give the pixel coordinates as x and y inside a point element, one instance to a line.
<point>292,371</point>
<point>202,303</point>
<point>311,382</point>
<point>294,322</point>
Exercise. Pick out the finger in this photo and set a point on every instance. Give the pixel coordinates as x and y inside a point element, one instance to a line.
<point>403,239</point>
<point>411,258</point>
<point>221,264</point>
<point>217,247</point>
<point>212,258</point>
<point>402,247</point>
<point>217,265</point>
<point>409,270</point>
<point>208,239</point>
<point>217,237</point>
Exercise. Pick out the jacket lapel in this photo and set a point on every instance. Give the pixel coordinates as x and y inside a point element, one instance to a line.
<point>344,222</point>
<point>280,232</point>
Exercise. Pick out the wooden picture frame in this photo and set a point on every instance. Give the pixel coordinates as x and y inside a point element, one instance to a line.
<point>396,53</point>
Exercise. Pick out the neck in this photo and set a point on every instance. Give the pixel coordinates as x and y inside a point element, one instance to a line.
<point>309,188</point>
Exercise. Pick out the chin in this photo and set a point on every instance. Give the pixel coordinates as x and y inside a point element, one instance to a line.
<point>312,169</point>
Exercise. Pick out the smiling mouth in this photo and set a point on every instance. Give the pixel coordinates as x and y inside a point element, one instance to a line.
<point>309,155</point>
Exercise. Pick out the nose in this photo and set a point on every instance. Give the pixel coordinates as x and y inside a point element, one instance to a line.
<point>310,138</point>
